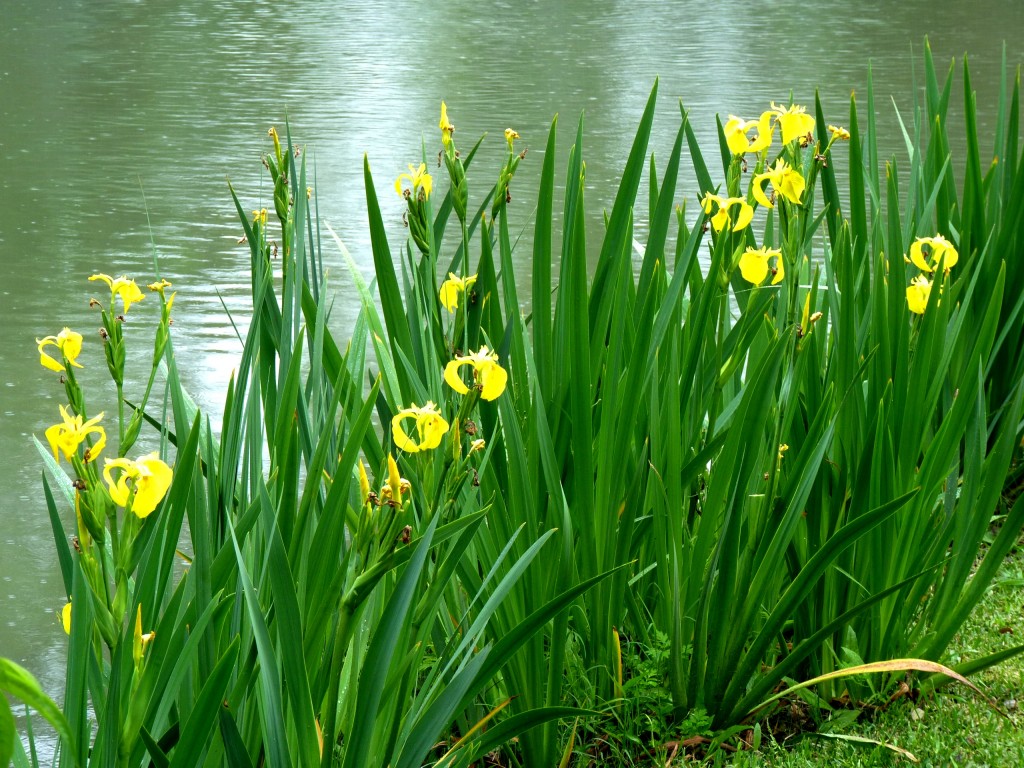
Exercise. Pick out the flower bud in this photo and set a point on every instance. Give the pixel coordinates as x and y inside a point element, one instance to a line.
<point>394,480</point>
<point>364,484</point>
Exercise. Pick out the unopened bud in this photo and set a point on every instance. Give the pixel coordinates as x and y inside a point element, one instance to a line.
<point>394,479</point>
<point>364,483</point>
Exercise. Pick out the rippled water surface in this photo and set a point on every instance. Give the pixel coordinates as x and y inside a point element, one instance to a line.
<point>121,122</point>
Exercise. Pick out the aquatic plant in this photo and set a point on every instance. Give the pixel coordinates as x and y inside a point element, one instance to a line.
<point>784,461</point>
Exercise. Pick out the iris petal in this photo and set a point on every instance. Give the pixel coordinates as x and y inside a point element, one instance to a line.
<point>451,375</point>
<point>745,216</point>
<point>754,266</point>
<point>402,441</point>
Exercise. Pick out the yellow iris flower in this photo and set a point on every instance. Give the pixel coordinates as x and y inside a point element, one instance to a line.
<point>510,136</point>
<point>488,376</point>
<point>447,129</point>
<point>918,291</point>
<point>70,345</point>
<point>736,130</point>
<point>722,219</point>
<point>452,287</point>
<point>148,477</point>
<point>754,265</point>
<point>795,121</point>
<point>786,181</point>
<point>430,428</point>
<point>939,248</point>
<point>65,618</point>
<point>418,178</point>
<point>123,287</point>
<point>68,435</point>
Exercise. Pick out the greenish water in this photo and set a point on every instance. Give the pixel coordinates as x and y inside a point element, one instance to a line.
<point>120,122</point>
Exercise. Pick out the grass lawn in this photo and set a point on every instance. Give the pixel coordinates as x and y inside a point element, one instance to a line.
<point>953,728</point>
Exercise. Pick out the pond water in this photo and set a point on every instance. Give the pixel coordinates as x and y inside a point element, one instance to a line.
<point>121,122</point>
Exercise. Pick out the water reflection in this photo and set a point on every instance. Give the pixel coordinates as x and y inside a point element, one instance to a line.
<point>121,121</point>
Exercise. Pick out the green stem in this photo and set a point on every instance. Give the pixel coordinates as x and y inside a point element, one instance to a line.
<point>465,273</point>
<point>341,635</point>
<point>120,417</point>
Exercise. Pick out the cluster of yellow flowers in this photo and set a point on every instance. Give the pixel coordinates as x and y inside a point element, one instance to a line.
<point>489,378</point>
<point>421,428</point>
<point>755,137</point>
<point>136,485</point>
<point>416,185</point>
<point>926,254</point>
<point>142,483</point>
<point>736,213</point>
<point>794,122</point>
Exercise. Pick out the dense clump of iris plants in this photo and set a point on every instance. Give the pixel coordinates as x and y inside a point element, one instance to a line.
<point>772,441</point>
